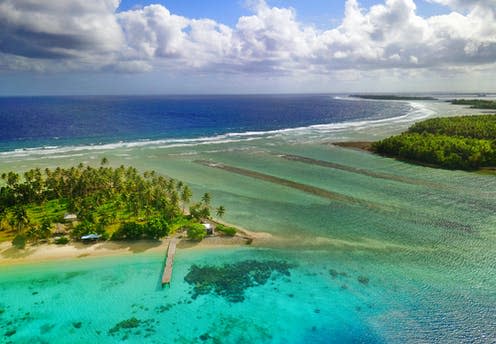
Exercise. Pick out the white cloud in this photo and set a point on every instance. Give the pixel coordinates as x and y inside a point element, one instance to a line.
<point>467,4</point>
<point>90,34</point>
<point>58,29</point>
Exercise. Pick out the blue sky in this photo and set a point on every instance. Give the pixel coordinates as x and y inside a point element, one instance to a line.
<point>321,13</point>
<point>246,46</point>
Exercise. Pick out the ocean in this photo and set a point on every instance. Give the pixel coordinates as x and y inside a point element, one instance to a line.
<point>389,253</point>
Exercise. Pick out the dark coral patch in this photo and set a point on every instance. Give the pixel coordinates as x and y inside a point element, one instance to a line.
<point>363,280</point>
<point>231,280</point>
<point>10,333</point>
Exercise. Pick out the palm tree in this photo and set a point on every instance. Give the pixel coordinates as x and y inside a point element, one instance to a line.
<point>104,161</point>
<point>206,198</point>
<point>12,179</point>
<point>220,211</point>
<point>19,218</point>
<point>186,195</point>
<point>3,213</point>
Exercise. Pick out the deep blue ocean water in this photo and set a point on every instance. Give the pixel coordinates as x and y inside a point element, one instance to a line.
<point>28,122</point>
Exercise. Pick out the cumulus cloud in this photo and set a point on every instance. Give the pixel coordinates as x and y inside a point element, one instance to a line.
<point>154,33</point>
<point>58,29</point>
<point>466,4</point>
<point>91,34</point>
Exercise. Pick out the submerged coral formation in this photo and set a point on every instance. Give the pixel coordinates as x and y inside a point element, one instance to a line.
<point>231,280</point>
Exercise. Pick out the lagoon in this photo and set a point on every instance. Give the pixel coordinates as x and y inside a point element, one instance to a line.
<point>405,254</point>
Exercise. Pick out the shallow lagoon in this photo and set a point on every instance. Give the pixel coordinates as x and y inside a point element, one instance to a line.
<point>394,253</point>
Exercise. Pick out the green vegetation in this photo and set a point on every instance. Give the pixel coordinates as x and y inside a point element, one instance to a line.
<point>464,142</point>
<point>61,241</point>
<point>227,230</point>
<point>475,127</point>
<point>19,241</point>
<point>116,203</point>
<point>196,231</point>
<point>389,97</point>
<point>476,103</point>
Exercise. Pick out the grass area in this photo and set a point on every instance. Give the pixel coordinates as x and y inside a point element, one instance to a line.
<point>6,235</point>
<point>54,209</point>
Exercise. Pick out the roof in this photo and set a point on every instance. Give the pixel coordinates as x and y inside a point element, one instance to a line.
<point>91,236</point>
<point>70,217</point>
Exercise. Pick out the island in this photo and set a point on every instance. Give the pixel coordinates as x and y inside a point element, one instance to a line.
<point>462,142</point>
<point>390,97</point>
<point>85,203</point>
<point>476,103</point>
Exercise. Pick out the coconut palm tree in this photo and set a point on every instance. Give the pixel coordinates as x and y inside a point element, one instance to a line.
<point>220,211</point>
<point>186,195</point>
<point>19,218</point>
<point>206,198</point>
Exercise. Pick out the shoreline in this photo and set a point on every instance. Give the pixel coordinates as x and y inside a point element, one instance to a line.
<point>33,254</point>
<point>358,145</point>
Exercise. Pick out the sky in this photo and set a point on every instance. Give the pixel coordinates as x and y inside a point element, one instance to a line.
<point>246,46</point>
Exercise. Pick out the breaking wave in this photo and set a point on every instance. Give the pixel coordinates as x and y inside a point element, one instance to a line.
<point>418,111</point>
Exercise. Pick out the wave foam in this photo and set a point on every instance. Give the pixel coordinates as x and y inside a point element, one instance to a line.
<point>419,111</point>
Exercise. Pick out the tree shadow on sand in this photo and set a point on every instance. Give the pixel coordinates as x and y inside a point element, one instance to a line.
<point>14,252</point>
<point>133,246</point>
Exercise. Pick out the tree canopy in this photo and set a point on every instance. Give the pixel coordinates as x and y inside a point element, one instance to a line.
<point>120,203</point>
<point>464,142</point>
<point>476,103</point>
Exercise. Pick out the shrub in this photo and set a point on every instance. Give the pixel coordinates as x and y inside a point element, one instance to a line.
<point>62,240</point>
<point>196,231</point>
<point>227,230</point>
<point>19,241</point>
<point>83,228</point>
<point>156,228</point>
<point>129,231</point>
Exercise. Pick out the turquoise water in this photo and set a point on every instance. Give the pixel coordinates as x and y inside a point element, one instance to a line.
<point>308,305</point>
<point>387,253</point>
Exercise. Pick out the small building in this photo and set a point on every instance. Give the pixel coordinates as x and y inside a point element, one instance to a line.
<point>208,228</point>
<point>91,237</point>
<point>70,217</point>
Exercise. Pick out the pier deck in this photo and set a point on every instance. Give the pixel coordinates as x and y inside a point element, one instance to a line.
<point>171,251</point>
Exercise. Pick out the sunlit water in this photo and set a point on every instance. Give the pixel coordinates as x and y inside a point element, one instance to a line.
<point>393,253</point>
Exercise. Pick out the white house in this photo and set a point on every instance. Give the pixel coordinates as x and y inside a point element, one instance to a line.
<point>208,228</point>
<point>70,217</point>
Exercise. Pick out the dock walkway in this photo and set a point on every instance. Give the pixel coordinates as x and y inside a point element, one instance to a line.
<point>171,251</point>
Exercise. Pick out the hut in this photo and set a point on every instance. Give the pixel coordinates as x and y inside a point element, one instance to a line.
<point>208,228</point>
<point>91,237</point>
<point>70,217</point>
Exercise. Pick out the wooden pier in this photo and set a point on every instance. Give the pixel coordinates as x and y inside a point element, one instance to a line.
<point>171,251</point>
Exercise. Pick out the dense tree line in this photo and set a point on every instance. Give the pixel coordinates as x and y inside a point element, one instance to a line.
<point>136,205</point>
<point>465,142</point>
<point>476,127</point>
<point>476,103</point>
<point>390,97</point>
